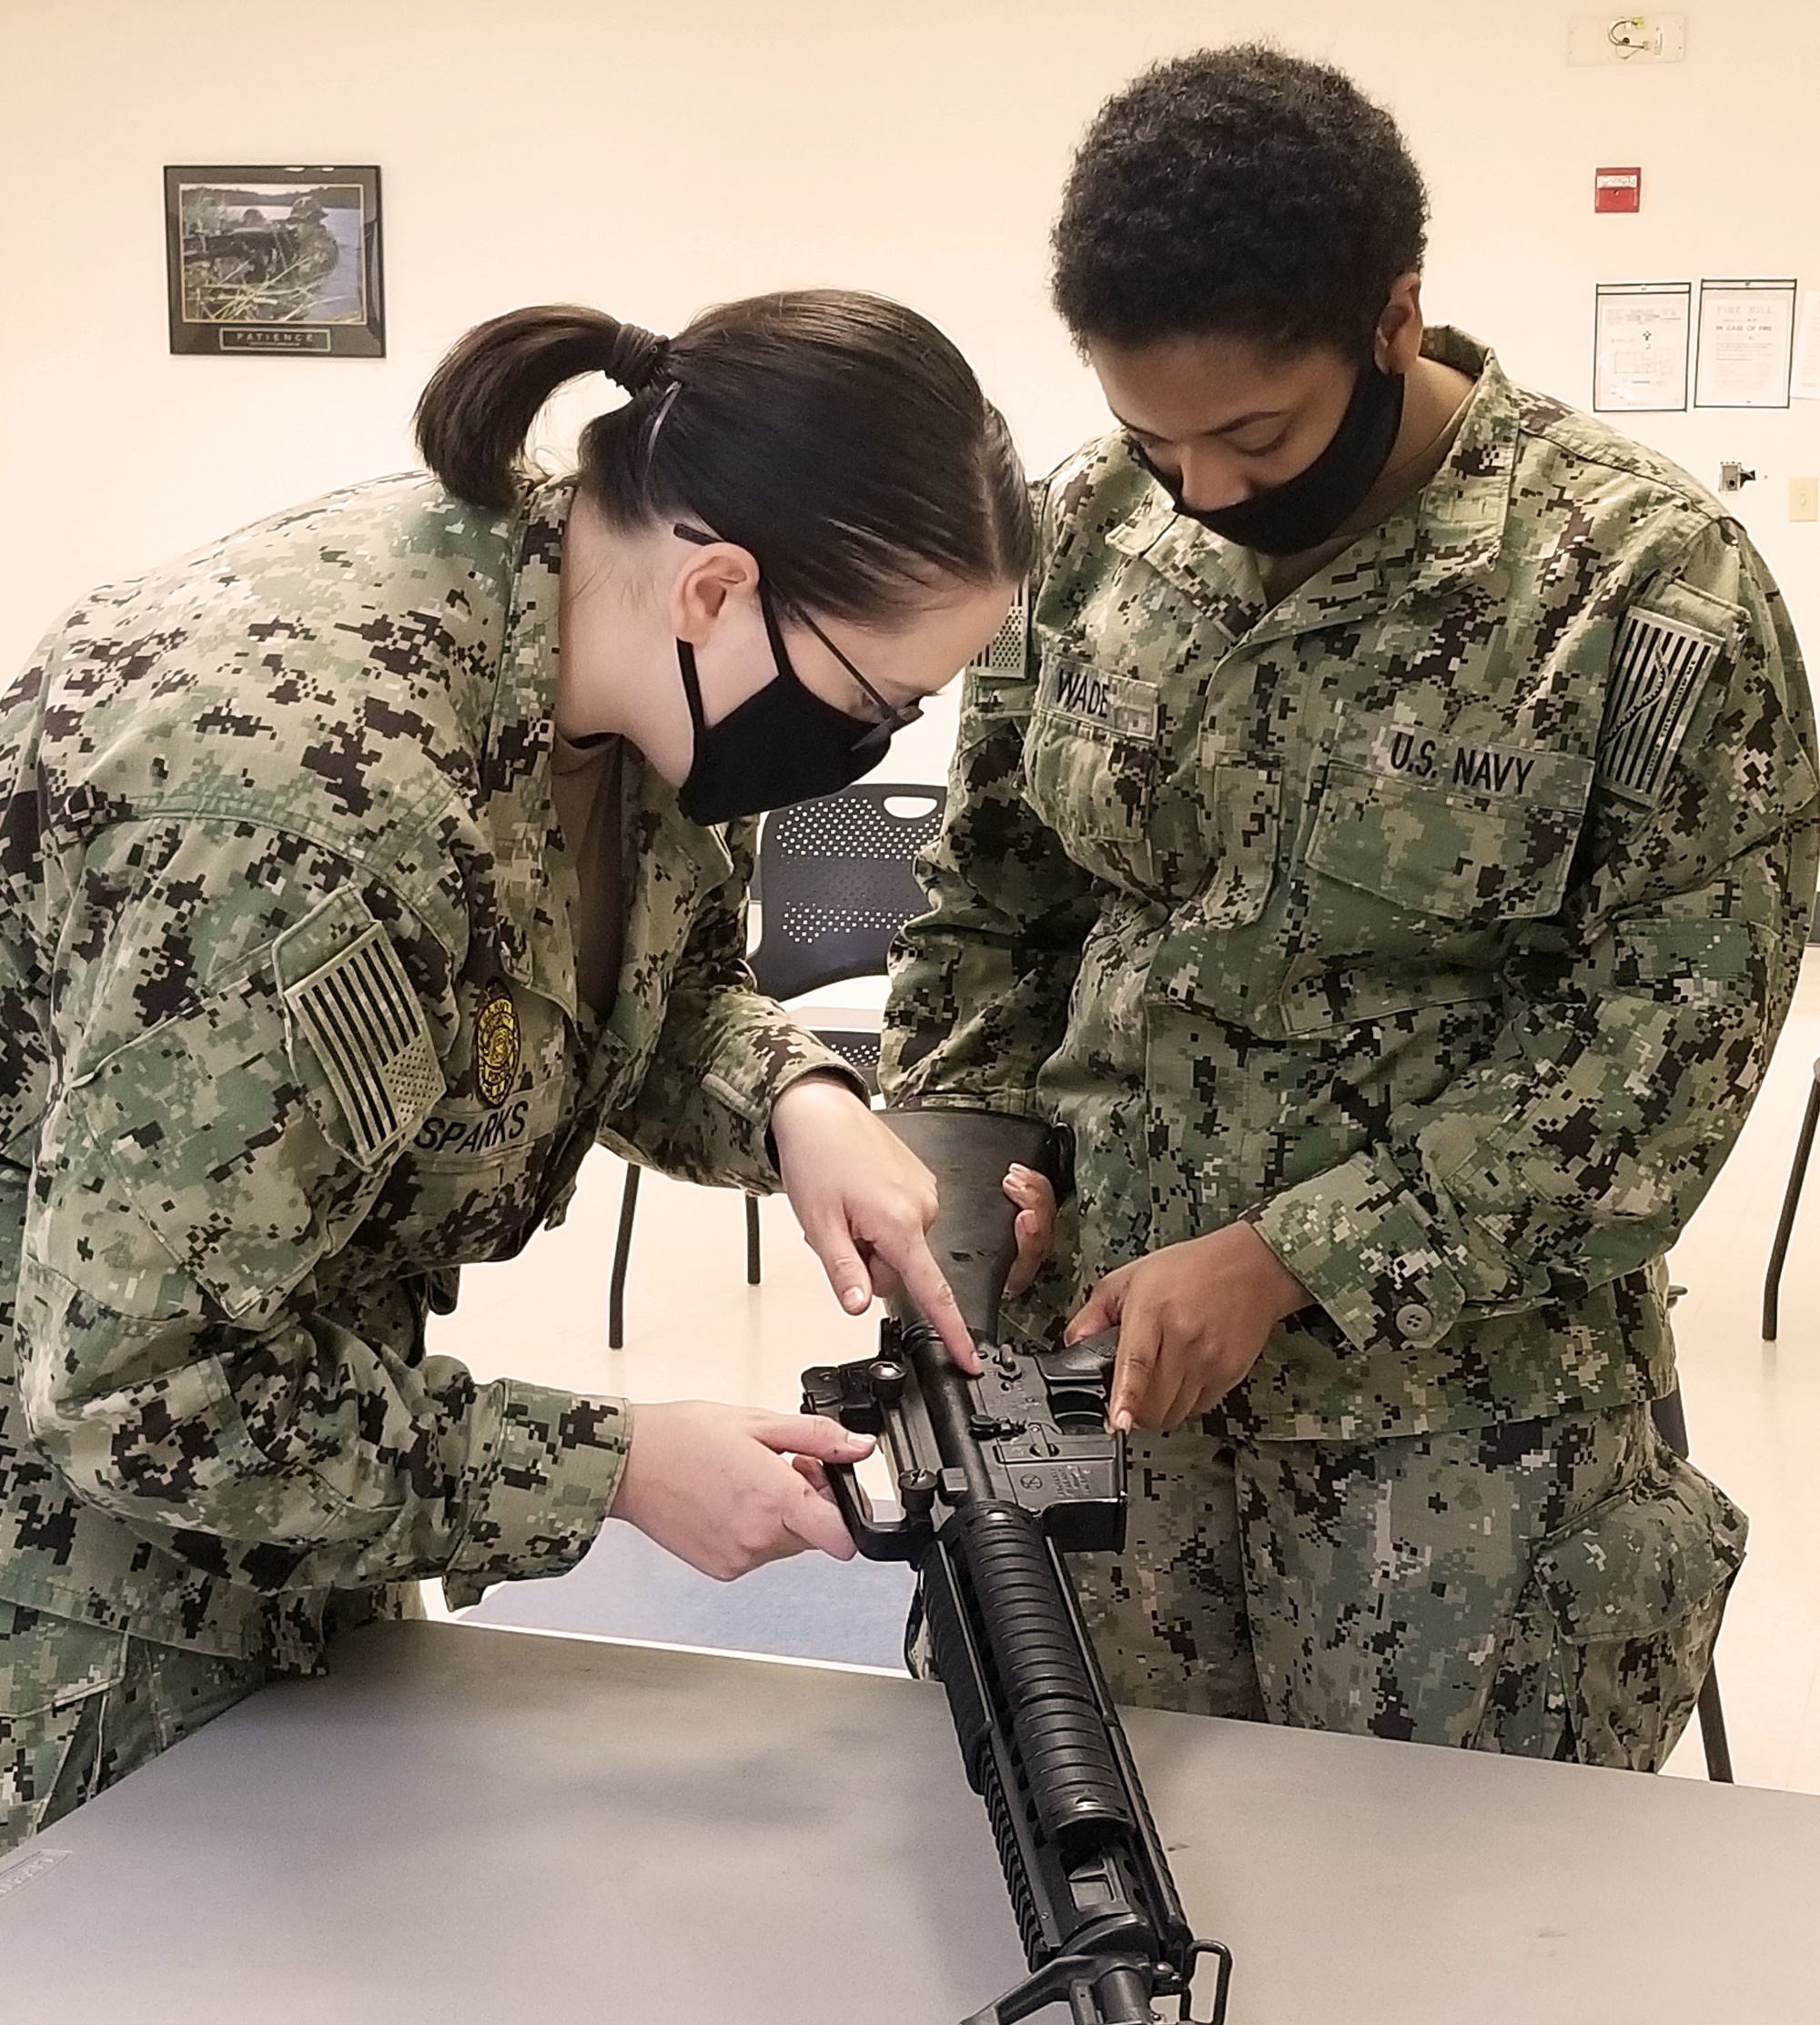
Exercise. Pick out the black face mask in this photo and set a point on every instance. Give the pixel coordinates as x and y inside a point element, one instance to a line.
<point>1311,506</point>
<point>782,745</point>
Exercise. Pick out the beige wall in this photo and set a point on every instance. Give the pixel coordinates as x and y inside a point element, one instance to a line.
<point>650,159</point>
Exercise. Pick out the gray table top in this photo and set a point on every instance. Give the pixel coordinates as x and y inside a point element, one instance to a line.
<point>477,1826</point>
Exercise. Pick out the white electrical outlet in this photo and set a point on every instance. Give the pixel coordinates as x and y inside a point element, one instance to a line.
<point>1627,39</point>
<point>1803,499</point>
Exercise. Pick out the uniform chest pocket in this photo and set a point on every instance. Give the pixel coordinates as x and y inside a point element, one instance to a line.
<point>1090,766</point>
<point>1486,833</point>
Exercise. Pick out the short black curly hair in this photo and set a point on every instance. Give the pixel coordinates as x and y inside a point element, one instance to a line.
<point>1242,191</point>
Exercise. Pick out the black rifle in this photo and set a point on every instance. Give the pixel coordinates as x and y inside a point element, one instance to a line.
<point>999,1477</point>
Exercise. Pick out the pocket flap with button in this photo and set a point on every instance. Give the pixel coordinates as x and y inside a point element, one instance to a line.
<point>1467,829</point>
<point>1644,1558</point>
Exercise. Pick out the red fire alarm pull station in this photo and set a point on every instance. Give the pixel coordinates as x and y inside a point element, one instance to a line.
<point>1617,189</point>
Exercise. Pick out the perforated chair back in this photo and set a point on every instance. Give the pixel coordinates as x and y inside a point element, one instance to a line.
<point>838,881</point>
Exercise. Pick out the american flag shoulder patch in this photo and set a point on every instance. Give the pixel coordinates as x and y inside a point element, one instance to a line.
<point>364,1023</point>
<point>1006,652</point>
<point>1658,669</point>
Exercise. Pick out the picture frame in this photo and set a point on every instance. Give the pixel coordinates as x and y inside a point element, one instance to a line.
<point>283,262</point>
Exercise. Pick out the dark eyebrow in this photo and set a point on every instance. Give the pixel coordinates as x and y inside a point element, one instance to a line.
<point>1225,429</point>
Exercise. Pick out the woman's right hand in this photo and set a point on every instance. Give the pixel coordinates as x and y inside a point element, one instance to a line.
<point>728,1488</point>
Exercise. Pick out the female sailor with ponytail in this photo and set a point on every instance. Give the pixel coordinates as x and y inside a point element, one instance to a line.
<point>362,872</point>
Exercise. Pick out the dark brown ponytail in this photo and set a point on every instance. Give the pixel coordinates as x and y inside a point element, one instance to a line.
<point>473,417</point>
<point>840,437</point>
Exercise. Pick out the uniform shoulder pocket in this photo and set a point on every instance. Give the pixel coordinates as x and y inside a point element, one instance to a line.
<point>1660,664</point>
<point>252,1132</point>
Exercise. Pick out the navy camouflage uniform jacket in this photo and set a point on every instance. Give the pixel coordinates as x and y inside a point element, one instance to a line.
<point>1439,917</point>
<point>288,1033</point>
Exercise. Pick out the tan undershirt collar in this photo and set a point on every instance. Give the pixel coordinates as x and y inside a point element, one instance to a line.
<point>1281,574</point>
<point>587,786</point>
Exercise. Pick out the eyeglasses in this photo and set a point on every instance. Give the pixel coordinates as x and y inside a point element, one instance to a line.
<point>895,715</point>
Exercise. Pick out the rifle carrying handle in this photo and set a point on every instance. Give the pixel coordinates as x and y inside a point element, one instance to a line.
<point>974,1234</point>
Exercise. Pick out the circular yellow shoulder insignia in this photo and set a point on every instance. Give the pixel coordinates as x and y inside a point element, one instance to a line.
<point>497,1044</point>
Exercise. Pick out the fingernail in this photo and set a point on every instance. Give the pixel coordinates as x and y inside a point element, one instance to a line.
<point>853,1299</point>
<point>1121,1422</point>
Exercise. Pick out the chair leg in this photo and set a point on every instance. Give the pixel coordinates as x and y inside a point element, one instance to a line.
<point>1803,1147</point>
<point>1712,1738</point>
<point>616,1316</point>
<point>751,1260</point>
<point>1670,1416</point>
<point>1671,1422</point>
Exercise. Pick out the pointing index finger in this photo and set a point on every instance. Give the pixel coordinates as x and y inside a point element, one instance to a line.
<point>925,1284</point>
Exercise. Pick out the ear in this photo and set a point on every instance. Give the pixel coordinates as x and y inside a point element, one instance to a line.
<point>707,579</point>
<point>1398,341</point>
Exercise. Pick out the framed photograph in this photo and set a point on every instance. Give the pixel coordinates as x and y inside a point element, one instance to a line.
<point>278,261</point>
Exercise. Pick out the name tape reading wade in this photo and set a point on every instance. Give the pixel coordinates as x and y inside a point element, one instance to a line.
<point>1120,705</point>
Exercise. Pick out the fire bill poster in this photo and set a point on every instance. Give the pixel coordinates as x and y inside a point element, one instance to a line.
<point>1747,344</point>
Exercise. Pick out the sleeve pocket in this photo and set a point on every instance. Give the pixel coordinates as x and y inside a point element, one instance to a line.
<point>252,1133</point>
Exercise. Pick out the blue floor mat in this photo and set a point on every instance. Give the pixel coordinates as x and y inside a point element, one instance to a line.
<point>810,1608</point>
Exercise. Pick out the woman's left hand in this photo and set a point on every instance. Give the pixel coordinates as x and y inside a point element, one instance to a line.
<point>866,1203</point>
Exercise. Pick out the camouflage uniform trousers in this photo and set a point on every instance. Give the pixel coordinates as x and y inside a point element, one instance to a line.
<point>82,1706</point>
<point>1549,1587</point>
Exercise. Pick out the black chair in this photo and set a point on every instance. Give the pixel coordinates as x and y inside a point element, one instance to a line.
<point>1803,1146</point>
<point>835,882</point>
<point>1670,1423</point>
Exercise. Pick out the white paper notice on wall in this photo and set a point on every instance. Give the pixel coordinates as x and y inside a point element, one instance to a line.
<point>1746,343</point>
<point>1805,383</point>
<point>1640,337</point>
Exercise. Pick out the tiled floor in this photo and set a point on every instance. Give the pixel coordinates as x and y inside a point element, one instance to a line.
<point>695,1329</point>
